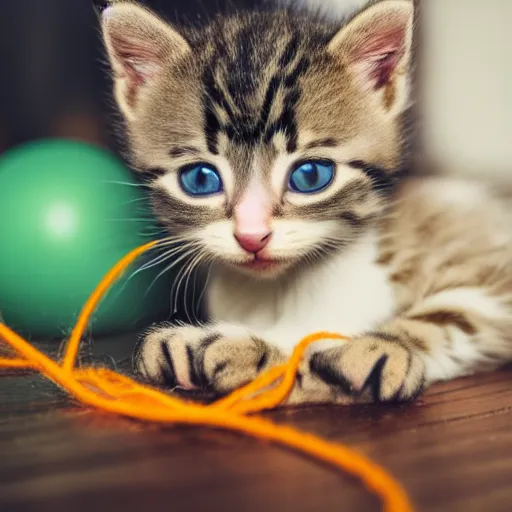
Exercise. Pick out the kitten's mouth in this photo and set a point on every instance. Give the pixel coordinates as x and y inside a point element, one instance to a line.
<point>261,264</point>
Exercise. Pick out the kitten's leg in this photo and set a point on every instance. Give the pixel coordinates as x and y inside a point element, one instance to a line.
<point>448,335</point>
<point>219,357</point>
<point>381,366</point>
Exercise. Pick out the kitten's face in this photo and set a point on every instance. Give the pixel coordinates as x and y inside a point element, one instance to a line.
<point>270,137</point>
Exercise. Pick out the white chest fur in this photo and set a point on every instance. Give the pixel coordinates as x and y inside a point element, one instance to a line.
<point>349,294</point>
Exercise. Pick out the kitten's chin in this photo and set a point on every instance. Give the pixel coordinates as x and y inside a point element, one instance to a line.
<point>262,268</point>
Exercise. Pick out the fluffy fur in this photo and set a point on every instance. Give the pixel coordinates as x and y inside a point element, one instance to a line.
<point>332,8</point>
<point>416,270</point>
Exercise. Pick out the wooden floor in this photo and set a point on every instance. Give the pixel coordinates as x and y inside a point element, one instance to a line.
<point>452,451</point>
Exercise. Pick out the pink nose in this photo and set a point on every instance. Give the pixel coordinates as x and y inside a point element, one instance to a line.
<point>254,242</point>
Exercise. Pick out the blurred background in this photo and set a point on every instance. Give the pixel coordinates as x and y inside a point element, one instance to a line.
<point>54,80</point>
<point>466,88</point>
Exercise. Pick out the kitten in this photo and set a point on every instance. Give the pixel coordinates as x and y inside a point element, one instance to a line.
<point>274,141</point>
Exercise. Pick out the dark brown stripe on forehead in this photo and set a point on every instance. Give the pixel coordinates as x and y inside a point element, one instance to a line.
<point>212,126</point>
<point>286,123</point>
<point>244,60</point>
<point>238,53</point>
<point>289,52</point>
<point>272,89</point>
<point>178,151</point>
<point>242,76</point>
<point>214,98</point>
<point>322,143</point>
<point>293,76</point>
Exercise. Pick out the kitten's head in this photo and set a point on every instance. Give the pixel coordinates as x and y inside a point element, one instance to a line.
<point>270,137</point>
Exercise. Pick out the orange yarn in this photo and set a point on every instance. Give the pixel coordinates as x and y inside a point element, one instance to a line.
<point>118,394</point>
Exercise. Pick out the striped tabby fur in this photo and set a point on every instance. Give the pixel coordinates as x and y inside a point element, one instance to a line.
<point>418,271</point>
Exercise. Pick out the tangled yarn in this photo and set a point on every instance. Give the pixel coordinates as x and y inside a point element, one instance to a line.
<point>109,391</point>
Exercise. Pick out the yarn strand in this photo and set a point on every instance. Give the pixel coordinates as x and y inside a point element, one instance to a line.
<point>109,391</point>
<point>16,364</point>
<point>94,299</point>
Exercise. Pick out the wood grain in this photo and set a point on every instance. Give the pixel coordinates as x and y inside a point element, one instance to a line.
<point>452,451</point>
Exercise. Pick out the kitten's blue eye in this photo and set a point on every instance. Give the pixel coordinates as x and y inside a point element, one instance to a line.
<point>311,177</point>
<point>201,180</point>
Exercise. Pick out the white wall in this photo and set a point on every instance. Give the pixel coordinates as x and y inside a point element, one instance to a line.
<point>467,90</point>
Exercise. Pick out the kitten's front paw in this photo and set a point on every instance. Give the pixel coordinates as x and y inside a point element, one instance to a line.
<point>213,358</point>
<point>376,368</point>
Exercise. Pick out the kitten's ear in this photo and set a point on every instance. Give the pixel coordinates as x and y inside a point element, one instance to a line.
<point>141,47</point>
<point>376,44</point>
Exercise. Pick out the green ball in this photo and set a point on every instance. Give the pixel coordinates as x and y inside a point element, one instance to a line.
<point>68,212</point>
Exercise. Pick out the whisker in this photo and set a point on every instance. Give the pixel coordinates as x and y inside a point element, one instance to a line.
<point>166,269</point>
<point>194,267</point>
<point>153,234</point>
<point>127,184</point>
<point>178,243</point>
<point>161,258</point>
<point>168,240</point>
<point>137,200</point>
<point>177,284</point>
<point>206,263</point>
<point>156,261</point>
<point>132,219</point>
<point>209,261</point>
<point>194,286</point>
<point>188,273</point>
<point>145,266</point>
